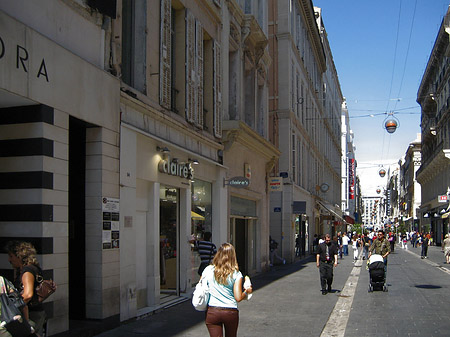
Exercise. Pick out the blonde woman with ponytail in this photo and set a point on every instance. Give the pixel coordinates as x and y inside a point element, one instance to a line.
<point>225,283</point>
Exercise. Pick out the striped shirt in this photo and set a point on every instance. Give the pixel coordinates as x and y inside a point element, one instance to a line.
<point>207,250</point>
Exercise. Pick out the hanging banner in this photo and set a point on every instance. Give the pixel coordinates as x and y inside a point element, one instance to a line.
<point>351,178</point>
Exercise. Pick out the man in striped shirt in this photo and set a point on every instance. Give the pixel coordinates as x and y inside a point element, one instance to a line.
<point>206,250</point>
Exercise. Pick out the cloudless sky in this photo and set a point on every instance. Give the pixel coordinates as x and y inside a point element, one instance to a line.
<point>380,50</point>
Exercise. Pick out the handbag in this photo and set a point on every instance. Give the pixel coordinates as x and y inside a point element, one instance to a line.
<point>10,316</point>
<point>44,288</point>
<point>200,297</point>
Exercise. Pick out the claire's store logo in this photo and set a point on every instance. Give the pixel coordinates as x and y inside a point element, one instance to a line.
<point>22,60</point>
<point>174,168</point>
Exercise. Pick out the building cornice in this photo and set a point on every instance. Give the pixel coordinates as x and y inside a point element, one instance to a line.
<point>212,10</point>
<point>235,10</point>
<point>239,132</point>
<point>316,41</point>
<point>440,162</point>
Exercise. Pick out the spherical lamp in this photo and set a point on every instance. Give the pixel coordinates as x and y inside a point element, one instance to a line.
<point>391,125</point>
<point>382,172</point>
<point>378,191</point>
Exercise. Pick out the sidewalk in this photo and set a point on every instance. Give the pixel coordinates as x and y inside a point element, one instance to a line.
<point>435,254</point>
<point>287,301</point>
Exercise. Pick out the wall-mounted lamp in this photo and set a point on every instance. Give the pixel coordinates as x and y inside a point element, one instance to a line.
<point>193,161</point>
<point>164,149</point>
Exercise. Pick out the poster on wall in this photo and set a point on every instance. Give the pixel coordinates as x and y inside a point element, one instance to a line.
<point>110,217</point>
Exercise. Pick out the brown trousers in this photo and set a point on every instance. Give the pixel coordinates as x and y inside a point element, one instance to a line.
<point>218,318</point>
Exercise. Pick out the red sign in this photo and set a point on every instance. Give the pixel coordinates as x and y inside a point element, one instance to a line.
<point>443,198</point>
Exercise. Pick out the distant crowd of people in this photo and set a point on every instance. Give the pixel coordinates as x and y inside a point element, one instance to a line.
<point>360,243</point>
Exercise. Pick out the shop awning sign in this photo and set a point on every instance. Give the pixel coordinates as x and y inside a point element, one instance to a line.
<point>443,198</point>
<point>275,184</point>
<point>239,182</point>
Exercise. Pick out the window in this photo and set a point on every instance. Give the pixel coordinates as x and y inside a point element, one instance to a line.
<point>134,20</point>
<point>294,159</point>
<point>190,69</point>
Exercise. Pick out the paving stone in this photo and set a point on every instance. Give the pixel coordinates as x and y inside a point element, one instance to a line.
<point>287,302</point>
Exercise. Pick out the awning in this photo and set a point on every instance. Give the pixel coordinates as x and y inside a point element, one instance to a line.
<point>196,216</point>
<point>328,208</point>
<point>349,219</point>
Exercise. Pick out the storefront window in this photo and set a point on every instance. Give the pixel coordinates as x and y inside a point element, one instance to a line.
<point>201,221</point>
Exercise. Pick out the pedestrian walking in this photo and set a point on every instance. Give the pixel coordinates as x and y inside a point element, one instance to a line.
<point>273,245</point>
<point>425,243</point>
<point>355,245</point>
<point>22,257</point>
<point>206,250</point>
<point>391,240</point>
<point>365,242</point>
<point>225,283</point>
<point>326,260</point>
<point>345,241</point>
<point>404,239</point>
<point>446,248</point>
<point>414,240</point>
<point>381,246</point>
<point>339,244</point>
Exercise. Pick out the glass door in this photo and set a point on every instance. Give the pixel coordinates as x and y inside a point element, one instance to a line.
<point>168,238</point>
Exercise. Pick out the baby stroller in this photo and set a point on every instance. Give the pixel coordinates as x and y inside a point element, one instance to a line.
<point>377,274</point>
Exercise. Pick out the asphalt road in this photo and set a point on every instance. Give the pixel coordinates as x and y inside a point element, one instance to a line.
<point>287,301</point>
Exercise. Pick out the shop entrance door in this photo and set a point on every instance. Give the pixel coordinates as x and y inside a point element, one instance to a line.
<point>77,223</point>
<point>243,238</point>
<point>168,240</point>
<point>241,244</point>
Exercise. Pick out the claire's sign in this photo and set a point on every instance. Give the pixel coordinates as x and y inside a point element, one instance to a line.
<point>237,182</point>
<point>174,168</point>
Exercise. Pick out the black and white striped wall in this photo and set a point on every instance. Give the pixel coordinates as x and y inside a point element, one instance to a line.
<point>34,188</point>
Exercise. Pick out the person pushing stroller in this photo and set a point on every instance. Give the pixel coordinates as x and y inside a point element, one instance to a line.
<point>378,253</point>
<point>380,246</point>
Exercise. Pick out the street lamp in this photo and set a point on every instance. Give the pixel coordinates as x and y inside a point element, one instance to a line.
<point>391,123</point>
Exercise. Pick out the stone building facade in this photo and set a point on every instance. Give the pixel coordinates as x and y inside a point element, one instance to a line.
<point>305,107</point>
<point>127,124</point>
<point>434,99</point>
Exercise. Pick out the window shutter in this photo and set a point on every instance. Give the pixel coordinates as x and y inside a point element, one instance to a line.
<point>217,91</point>
<point>165,92</point>
<point>191,76</point>
<point>199,70</point>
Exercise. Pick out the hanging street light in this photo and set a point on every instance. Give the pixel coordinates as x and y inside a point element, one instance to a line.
<point>382,173</point>
<point>391,123</point>
<point>378,191</point>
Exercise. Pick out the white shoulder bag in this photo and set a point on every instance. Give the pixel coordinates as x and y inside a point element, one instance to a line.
<point>200,298</point>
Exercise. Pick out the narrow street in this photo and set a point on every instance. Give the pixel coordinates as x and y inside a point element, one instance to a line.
<point>287,302</point>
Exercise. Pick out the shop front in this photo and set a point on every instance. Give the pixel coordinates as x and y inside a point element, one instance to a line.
<point>249,159</point>
<point>433,221</point>
<point>171,196</point>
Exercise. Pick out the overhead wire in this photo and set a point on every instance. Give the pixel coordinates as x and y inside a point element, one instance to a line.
<point>407,53</point>
<point>392,75</point>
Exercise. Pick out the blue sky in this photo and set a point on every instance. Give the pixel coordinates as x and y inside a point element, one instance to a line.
<point>380,50</point>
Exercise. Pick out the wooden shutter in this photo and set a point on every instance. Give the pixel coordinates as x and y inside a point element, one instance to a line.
<point>199,70</point>
<point>217,91</point>
<point>165,75</point>
<point>191,76</point>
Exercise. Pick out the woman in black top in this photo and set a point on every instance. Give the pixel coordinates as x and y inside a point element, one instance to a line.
<point>22,256</point>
